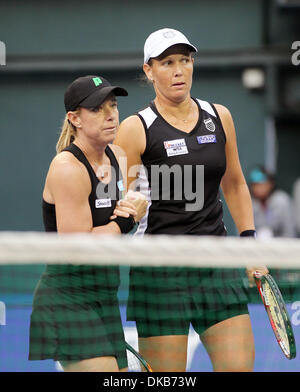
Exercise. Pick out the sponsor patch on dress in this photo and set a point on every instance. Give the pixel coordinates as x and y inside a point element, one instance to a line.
<point>102,203</point>
<point>175,147</point>
<point>207,139</point>
<point>210,125</point>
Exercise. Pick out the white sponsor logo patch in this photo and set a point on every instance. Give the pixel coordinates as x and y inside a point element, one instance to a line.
<point>102,203</point>
<point>175,147</point>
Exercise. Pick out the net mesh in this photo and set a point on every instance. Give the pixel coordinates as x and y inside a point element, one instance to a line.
<point>62,296</point>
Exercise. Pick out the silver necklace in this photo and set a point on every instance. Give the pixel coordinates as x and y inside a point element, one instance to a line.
<point>179,119</point>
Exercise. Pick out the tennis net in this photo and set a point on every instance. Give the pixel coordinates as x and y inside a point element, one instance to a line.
<point>156,272</point>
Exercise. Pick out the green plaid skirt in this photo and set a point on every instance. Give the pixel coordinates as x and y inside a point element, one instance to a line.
<point>162,296</point>
<point>76,315</point>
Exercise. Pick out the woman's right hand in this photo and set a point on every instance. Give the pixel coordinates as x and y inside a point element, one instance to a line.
<point>253,271</point>
<point>140,203</point>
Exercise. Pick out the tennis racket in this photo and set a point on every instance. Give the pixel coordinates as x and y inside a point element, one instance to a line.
<point>277,313</point>
<point>136,363</point>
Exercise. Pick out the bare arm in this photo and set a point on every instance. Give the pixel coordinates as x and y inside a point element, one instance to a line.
<point>233,183</point>
<point>131,139</point>
<point>234,186</point>
<point>69,185</point>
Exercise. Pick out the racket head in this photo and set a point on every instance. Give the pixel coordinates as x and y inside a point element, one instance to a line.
<point>136,363</point>
<point>277,313</point>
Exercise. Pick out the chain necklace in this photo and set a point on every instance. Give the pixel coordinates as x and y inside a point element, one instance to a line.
<point>185,121</point>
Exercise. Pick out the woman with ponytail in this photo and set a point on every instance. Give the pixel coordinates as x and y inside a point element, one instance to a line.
<point>75,318</point>
<point>67,135</point>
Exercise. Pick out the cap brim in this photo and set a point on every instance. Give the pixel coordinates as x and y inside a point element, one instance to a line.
<point>160,50</point>
<point>99,96</point>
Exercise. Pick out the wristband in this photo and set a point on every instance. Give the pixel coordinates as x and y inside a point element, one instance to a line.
<point>125,224</point>
<point>248,233</point>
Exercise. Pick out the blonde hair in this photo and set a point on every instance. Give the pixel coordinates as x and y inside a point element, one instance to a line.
<point>67,135</point>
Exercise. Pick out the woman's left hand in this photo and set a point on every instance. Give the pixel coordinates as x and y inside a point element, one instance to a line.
<point>139,201</point>
<point>124,208</point>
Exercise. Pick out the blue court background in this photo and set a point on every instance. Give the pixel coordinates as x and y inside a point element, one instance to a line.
<point>14,342</point>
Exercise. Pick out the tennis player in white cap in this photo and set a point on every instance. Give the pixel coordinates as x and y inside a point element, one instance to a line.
<point>197,138</point>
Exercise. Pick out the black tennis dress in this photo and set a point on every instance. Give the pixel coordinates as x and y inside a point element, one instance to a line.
<point>75,312</point>
<point>181,178</point>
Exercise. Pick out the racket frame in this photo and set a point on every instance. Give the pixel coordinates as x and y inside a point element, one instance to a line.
<point>289,352</point>
<point>142,361</point>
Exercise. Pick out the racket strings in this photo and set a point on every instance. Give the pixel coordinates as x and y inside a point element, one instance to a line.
<point>134,364</point>
<point>276,314</point>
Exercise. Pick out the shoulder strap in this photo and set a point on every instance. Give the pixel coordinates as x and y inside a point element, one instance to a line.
<point>207,107</point>
<point>82,158</point>
<point>148,116</point>
<point>114,162</point>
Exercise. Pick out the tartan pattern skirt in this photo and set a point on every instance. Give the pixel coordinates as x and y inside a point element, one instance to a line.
<point>76,315</point>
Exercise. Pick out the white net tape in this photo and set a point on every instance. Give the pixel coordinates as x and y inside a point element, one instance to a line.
<point>40,248</point>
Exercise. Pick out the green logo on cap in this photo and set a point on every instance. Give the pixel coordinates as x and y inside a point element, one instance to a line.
<point>97,81</point>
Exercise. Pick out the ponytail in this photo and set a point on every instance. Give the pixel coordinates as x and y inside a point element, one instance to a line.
<point>67,135</point>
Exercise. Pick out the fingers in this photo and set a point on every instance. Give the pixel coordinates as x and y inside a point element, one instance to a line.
<point>139,201</point>
<point>141,208</point>
<point>253,272</point>
<point>134,204</point>
<point>124,208</point>
<point>140,204</point>
<point>131,195</point>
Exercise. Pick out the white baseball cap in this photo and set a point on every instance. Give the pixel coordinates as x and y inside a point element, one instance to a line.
<point>161,40</point>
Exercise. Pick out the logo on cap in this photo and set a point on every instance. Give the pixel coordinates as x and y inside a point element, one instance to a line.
<point>169,34</point>
<point>97,81</point>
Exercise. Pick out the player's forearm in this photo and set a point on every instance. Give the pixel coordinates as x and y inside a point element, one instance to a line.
<point>111,228</point>
<point>239,203</point>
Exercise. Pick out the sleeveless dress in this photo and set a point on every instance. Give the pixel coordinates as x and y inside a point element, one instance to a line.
<point>181,177</point>
<point>75,313</point>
